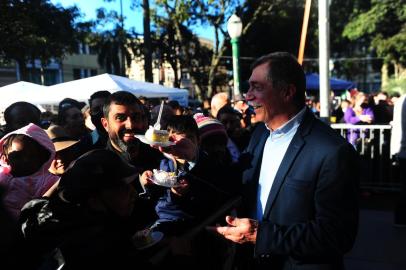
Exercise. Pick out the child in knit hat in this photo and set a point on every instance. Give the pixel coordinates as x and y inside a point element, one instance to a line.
<point>213,138</point>
<point>199,191</point>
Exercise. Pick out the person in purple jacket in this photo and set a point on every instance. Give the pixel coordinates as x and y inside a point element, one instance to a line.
<point>359,114</point>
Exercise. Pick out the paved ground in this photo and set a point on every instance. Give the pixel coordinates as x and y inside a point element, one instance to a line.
<point>379,245</point>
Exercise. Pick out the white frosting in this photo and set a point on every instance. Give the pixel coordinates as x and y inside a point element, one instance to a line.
<point>153,134</point>
<point>164,178</point>
<point>149,133</point>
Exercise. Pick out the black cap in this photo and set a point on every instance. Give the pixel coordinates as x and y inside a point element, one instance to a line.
<point>94,171</point>
<point>70,102</point>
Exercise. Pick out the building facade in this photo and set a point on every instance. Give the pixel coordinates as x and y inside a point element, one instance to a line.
<point>82,64</point>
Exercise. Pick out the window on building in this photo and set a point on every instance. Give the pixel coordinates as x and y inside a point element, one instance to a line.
<point>46,77</point>
<point>80,48</point>
<point>83,48</point>
<point>76,73</point>
<point>34,75</point>
<point>92,50</point>
<point>80,73</point>
<point>51,76</point>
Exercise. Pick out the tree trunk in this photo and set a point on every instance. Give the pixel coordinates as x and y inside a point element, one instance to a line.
<point>400,71</point>
<point>184,54</point>
<point>147,42</point>
<point>198,93</point>
<point>22,68</point>
<point>213,66</point>
<point>384,75</point>
<point>122,68</point>
<point>122,41</point>
<point>174,66</point>
<point>215,61</point>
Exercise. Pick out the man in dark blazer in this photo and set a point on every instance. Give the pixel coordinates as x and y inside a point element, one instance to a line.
<point>300,177</point>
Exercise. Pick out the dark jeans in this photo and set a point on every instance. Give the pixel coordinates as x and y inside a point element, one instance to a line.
<point>400,210</point>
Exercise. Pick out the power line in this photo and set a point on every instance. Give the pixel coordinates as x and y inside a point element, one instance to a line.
<point>346,59</point>
<point>241,57</point>
<point>317,59</point>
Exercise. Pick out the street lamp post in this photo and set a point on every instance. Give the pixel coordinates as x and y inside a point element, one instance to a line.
<point>234,28</point>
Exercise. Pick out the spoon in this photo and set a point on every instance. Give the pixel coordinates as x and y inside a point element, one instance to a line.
<point>157,125</point>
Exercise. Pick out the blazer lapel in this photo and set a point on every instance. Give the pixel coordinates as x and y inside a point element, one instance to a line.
<point>251,172</point>
<point>255,151</point>
<point>259,151</point>
<point>290,156</point>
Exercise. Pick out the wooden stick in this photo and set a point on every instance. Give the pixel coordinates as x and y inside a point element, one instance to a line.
<point>304,31</point>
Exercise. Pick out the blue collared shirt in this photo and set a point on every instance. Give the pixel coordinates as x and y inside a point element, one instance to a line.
<point>275,148</point>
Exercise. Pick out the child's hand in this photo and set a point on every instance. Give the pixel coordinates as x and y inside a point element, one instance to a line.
<point>145,178</point>
<point>182,188</point>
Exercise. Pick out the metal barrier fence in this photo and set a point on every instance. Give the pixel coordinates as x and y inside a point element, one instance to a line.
<point>378,170</point>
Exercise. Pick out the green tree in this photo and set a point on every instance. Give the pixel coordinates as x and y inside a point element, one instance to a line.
<point>36,29</point>
<point>168,48</point>
<point>147,38</point>
<point>384,24</point>
<point>277,28</point>
<point>179,13</point>
<point>147,46</point>
<point>216,14</point>
<point>112,44</point>
<point>165,46</point>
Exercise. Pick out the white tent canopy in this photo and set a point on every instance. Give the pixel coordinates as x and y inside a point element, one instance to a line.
<point>83,88</point>
<point>23,91</point>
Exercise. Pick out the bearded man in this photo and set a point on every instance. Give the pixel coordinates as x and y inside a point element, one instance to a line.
<point>125,117</point>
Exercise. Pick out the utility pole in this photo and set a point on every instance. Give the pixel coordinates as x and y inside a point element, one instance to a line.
<point>324,56</point>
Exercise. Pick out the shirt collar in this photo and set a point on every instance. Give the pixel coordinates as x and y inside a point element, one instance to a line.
<point>290,125</point>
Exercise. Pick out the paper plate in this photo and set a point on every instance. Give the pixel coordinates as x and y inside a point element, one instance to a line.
<point>156,237</point>
<point>143,139</point>
<point>164,184</point>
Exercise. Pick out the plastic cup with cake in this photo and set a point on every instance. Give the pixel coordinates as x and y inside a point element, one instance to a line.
<point>154,135</point>
<point>164,178</point>
<point>161,177</point>
<point>146,238</point>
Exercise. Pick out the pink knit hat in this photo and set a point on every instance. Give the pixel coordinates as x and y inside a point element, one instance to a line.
<point>208,125</point>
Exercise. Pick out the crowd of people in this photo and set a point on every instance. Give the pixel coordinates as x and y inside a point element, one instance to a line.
<point>358,108</point>
<point>345,108</point>
<point>77,186</point>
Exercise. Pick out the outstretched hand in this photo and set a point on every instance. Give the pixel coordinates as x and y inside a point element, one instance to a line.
<point>240,230</point>
<point>184,148</point>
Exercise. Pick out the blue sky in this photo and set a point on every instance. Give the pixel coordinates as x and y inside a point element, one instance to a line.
<point>133,18</point>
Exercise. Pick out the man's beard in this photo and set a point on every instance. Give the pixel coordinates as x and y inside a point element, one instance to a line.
<point>127,147</point>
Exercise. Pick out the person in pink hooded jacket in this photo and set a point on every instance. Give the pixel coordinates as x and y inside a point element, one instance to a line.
<point>26,155</point>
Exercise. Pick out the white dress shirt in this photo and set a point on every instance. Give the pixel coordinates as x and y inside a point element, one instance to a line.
<point>275,148</point>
